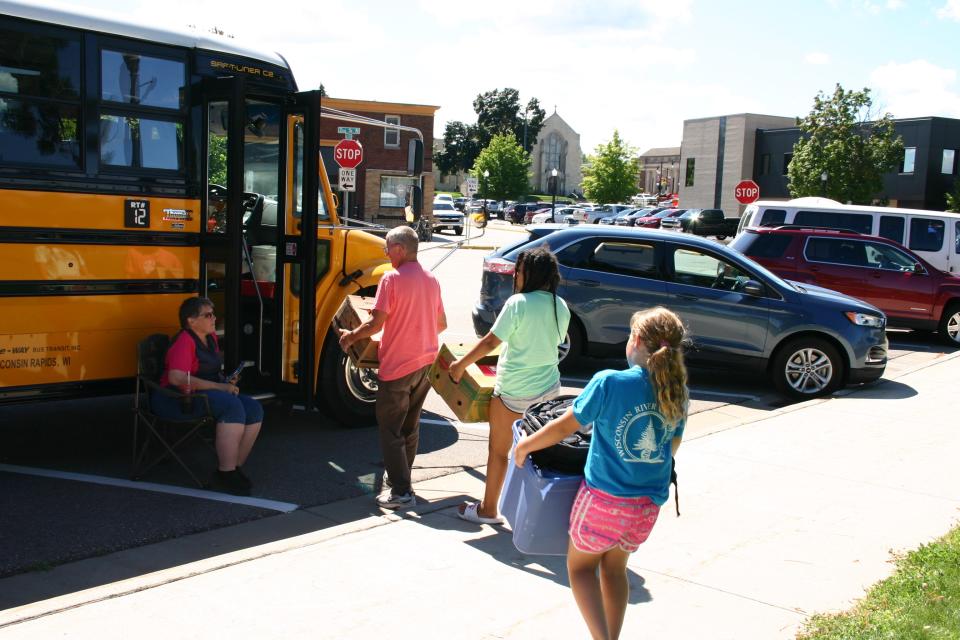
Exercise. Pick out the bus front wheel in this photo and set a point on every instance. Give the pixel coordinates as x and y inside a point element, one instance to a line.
<point>347,393</point>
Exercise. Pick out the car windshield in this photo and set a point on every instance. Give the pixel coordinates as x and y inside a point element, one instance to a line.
<point>668,213</point>
<point>442,206</point>
<point>690,213</point>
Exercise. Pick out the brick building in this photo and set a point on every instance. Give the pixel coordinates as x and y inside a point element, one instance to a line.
<point>382,180</point>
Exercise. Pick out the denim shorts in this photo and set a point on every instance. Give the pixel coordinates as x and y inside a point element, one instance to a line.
<point>519,405</point>
<point>224,406</point>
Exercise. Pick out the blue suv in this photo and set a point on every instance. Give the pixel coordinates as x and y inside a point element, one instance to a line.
<point>739,315</point>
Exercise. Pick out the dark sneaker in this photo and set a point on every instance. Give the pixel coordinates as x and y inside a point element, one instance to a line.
<point>391,501</point>
<point>232,482</point>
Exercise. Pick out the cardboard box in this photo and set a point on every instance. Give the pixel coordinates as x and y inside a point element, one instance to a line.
<point>536,503</point>
<point>470,398</point>
<point>354,311</point>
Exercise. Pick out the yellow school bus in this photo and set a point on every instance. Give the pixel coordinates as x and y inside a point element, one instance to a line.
<point>139,167</point>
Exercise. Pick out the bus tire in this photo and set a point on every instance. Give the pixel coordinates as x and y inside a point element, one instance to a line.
<point>346,393</point>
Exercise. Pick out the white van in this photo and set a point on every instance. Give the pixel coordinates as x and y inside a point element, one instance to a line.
<point>934,235</point>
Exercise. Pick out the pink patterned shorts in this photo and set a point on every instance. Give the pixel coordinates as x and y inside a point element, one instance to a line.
<point>600,521</point>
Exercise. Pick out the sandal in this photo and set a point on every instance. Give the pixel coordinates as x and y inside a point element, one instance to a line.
<point>471,513</point>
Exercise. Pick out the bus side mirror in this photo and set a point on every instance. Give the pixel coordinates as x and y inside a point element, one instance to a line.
<point>415,158</point>
<point>415,202</point>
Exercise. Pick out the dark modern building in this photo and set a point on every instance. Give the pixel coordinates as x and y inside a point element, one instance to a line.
<point>927,172</point>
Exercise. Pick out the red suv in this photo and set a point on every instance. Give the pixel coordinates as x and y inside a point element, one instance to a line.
<point>913,293</point>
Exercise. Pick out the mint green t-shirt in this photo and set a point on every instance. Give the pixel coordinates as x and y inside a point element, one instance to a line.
<point>531,334</point>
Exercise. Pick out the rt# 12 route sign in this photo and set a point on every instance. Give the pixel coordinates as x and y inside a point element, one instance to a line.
<point>348,154</point>
<point>746,192</point>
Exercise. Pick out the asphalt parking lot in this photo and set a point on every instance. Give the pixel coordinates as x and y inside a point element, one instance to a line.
<point>65,493</point>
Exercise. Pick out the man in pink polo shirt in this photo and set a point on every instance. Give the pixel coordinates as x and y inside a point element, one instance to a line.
<point>409,310</point>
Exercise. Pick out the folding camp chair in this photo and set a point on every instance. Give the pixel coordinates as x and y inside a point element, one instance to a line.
<point>156,438</point>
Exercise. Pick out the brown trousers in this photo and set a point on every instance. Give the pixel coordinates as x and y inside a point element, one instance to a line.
<point>399,403</point>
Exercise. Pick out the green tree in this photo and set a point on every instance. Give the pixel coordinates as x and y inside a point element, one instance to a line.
<point>841,139</point>
<point>460,148</point>
<point>498,112</point>
<point>953,199</point>
<point>611,173</point>
<point>217,160</point>
<point>508,165</point>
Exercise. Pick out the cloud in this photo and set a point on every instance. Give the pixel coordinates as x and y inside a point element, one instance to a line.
<point>950,10</point>
<point>916,89</point>
<point>817,57</point>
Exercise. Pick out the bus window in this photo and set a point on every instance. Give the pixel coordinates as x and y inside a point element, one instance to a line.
<point>926,234</point>
<point>39,98</point>
<point>891,228</point>
<point>130,78</point>
<point>135,142</point>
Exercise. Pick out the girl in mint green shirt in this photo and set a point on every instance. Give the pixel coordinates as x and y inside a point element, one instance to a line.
<point>532,325</point>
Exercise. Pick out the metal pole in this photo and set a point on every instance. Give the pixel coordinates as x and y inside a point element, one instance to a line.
<point>553,203</point>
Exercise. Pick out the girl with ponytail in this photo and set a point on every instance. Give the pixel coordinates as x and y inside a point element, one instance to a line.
<point>638,416</point>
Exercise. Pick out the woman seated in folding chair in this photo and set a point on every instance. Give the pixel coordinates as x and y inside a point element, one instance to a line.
<point>193,364</point>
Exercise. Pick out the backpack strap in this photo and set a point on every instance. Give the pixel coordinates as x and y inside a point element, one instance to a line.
<point>673,480</point>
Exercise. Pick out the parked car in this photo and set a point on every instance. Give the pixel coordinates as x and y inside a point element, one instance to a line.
<point>460,203</point>
<point>933,235</point>
<point>515,213</point>
<point>530,213</point>
<point>630,219</point>
<point>644,200</point>
<point>653,221</point>
<point>703,222</point>
<point>740,315</point>
<point>446,217</point>
<point>574,215</point>
<point>443,197</point>
<point>612,219</point>
<point>908,289</point>
<point>548,215</point>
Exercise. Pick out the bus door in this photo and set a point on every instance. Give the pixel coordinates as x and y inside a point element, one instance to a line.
<point>243,228</point>
<point>304,256</point>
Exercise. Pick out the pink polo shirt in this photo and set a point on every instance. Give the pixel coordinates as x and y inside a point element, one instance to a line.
<point>410,296</point>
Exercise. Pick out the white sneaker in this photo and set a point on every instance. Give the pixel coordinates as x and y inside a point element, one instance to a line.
<point>391,501</point>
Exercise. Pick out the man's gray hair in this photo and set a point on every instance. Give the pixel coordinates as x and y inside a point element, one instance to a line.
<point>405,237</point>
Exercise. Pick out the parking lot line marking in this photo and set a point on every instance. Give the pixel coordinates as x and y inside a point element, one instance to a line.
<point>262,503</point>
<point>444,423</point>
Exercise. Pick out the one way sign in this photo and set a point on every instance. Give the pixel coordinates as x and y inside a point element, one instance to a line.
<point>348,179</point>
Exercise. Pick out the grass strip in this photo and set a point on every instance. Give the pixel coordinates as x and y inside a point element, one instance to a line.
<point>921,600</point>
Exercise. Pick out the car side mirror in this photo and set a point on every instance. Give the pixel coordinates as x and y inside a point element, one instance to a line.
<point>753,288</point>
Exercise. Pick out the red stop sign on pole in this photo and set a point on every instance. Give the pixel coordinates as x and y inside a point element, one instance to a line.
<point>746,192</point>
<point>348,154</point>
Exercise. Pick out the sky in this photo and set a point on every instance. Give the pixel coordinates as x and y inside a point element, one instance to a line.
<point>638,66</point>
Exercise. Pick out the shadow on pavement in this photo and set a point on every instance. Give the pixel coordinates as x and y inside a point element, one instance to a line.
<point>499,546</point>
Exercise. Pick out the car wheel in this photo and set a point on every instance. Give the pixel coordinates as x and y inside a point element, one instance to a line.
<point>458,231</point>
<point>571,349</point>
<point>949,327</point>
<point>806,368</point>
<point>345,392</point>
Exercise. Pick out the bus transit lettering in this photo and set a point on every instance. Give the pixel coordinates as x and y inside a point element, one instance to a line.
<point>32,363</point>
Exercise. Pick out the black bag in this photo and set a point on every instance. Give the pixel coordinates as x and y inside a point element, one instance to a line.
<point>570,454</point>
<point>567,456</point>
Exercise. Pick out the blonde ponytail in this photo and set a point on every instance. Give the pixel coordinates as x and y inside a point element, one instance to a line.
<point>662,333</point>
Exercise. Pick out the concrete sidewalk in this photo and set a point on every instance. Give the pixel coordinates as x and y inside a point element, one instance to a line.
<point>789,514</point>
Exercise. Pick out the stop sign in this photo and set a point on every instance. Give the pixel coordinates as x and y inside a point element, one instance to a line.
<point>746,192</point>
<point>348,154</point>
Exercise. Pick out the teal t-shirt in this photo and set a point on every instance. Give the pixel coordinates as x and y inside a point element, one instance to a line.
<point>531,332</point>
